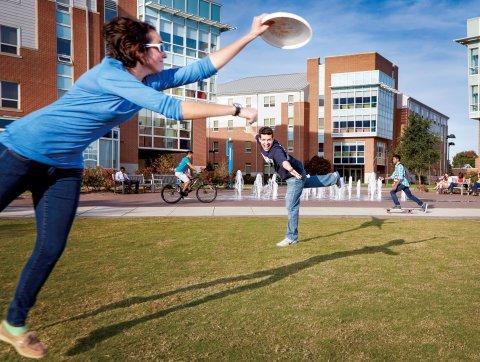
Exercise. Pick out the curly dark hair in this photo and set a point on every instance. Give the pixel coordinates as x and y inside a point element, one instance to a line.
<point>125,39</point>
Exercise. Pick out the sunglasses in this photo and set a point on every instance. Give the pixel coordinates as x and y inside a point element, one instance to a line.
<point>159,46</point>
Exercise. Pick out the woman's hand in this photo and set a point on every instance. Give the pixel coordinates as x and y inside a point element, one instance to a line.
<point>250,114</point>
<point>257,27</point>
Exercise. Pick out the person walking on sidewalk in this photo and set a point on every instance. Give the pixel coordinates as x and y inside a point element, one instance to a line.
<point>401,183</point>
<point>290,170</point>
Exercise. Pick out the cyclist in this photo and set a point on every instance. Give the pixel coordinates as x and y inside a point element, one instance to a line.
<point>181,171</point>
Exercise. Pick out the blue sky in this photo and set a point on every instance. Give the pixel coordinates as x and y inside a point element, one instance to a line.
<point>415,35</point>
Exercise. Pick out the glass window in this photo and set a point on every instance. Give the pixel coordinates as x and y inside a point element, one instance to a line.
<point>178,34</point>
<point>192,6</point>
<point>272,101</point>
<point>166,2</point>
<point>9,40</point>
<point>214,42</point>
<point>204,9</point>
<point>230,124</point>
<point>474,99</point>
<point>290,122</point>
<point>248,147</point>
<point>63,32</point>
<point>64,47</point>
<point>179,4</point>
<point>215,12</point>
<point>166,30</point>
<point>320,147</point>
<point>248,169</point>
<point>111,10</point>
<point>473,60</point>
<point>290,99</point>
<point>290,145</point>
<point>203,41</point>
<point>321,100</point>
<point>321,123</point>
<point>215,146</point>
<point>248,102</point>
<point>9,95</point>
<point>62,17</point>
<point>215,125</point>
<point>192,38</point>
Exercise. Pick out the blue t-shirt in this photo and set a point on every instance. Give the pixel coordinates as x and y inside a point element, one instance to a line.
<point>276,155</point>
<point>100,99</point>
<point>183,165</point>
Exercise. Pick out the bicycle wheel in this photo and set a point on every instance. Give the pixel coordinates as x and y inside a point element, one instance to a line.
<point>206,193</point>
<point>171,194</point>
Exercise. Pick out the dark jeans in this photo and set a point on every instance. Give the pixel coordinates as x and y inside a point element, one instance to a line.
<point>129,183</point>
<point>407,191</point>
<point>55,194</point>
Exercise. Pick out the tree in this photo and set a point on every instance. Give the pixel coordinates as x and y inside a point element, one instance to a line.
<point>318,166</point>
<point>418,147</point>
<point>463,158</point>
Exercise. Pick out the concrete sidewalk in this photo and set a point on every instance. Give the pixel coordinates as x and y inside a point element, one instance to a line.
<point>252,211</point>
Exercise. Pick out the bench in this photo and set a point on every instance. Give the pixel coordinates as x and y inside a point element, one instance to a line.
<point>157,181</point>
<point>463,187</point>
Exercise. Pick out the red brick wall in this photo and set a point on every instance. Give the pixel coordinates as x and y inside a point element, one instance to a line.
<point>34,70</point>
<point>311,147</point>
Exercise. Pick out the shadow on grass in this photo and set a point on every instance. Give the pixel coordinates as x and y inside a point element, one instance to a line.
<point>270,276</point>
<point>137,300</point>
<point>375,222</point>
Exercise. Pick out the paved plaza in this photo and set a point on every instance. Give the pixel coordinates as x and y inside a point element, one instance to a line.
<point>106,204</point>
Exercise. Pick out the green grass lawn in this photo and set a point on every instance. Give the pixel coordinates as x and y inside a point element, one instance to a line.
<point>219,289</point>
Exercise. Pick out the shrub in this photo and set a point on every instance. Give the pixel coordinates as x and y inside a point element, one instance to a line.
<point>318,166</point>
<point>423,188</point>
<point>220,175</point>
<point>163,164</point>
<point>97,178</point>
<point>472,175</point>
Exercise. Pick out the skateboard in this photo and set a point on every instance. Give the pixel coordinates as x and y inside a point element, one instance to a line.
<point>405,210</point>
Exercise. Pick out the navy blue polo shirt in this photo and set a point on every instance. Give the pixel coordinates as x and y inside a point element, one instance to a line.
<point>276,155</point>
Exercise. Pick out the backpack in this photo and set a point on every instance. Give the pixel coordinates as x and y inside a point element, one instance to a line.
<point>407,175</point>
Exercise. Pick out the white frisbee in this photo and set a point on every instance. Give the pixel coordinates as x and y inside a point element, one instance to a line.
<point>288,31</point>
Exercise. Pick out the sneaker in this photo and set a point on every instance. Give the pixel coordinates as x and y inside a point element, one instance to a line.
<point>286,242</point>
<point>340,182</point>
<point>397,207</point>
<point>184,193</point>
<point>27,344</point>
<point>424,207</point>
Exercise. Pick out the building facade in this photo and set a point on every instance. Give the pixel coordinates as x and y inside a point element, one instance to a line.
<point>347,110</point>
<point>472,42</point>
<point>45,45</point>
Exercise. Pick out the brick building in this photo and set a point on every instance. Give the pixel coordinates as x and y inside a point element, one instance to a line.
<point>45,45</point>
<point>348,110</point>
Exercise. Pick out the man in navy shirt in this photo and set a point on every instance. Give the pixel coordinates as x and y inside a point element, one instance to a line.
<point>293,173</point>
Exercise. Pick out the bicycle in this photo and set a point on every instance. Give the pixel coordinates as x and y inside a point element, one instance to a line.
<point>206,192</point>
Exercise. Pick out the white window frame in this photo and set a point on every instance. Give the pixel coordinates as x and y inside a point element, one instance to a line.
<point>16,45</point>
<point>9,99</point>
<point>248,149</point>
<point>215,125</point>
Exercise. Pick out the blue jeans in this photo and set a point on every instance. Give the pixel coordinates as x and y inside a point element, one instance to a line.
<point>55,194</point>
<point>475,187</point>
<point>294,191</point>
<point>407,191</point>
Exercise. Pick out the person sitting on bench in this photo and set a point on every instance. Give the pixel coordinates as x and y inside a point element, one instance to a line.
<point>122,176</point>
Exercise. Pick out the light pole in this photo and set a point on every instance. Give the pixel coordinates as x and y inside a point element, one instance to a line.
<point>450,136</point>
<point>450,144</point>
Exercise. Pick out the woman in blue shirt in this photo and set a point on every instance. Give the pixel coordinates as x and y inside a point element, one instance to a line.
<point>42,152</point>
